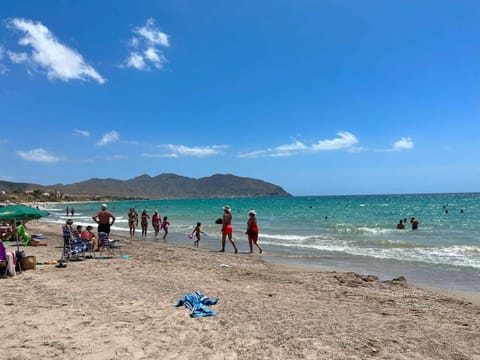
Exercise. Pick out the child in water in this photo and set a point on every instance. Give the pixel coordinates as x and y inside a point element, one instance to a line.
<point>164,227</point>
<point>198,234</point>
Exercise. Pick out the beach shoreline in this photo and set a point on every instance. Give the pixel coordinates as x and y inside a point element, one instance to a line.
<point>358,235</point>
<point>123,309</point>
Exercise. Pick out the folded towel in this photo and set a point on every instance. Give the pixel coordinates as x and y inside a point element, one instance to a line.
<point>11,263</point>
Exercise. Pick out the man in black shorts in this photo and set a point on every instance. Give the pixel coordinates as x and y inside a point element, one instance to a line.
<point>102,218</point>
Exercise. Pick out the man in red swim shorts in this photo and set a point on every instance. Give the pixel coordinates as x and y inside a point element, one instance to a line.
<point>227,229</point>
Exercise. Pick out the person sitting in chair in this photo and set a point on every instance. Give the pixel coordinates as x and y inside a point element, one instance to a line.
<point>27,239</point>
<point>89,236</point>
<point>6,232</point>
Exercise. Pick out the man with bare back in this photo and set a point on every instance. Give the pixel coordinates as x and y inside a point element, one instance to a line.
<point>102,218</point>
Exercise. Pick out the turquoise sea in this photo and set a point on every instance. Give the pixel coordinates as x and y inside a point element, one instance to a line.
<point>353,233</point>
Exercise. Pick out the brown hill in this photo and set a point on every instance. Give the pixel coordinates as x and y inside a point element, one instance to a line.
<point>159,187</point>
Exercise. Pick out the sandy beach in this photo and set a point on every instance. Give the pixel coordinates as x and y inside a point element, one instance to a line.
<point>123,309</point>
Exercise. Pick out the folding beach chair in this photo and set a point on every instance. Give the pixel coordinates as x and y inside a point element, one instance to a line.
<point>87,246</point>
<point>109,245</point>
<point>72,249</point>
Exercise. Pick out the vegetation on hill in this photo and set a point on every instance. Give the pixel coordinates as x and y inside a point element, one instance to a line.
<point>163,186</point>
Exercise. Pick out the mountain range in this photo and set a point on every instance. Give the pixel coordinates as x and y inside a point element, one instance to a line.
<point>163,186</point>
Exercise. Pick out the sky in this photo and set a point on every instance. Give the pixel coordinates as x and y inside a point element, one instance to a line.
<point>326,97</point>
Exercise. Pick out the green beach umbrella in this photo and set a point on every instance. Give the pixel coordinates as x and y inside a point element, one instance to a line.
<point>21,213</point>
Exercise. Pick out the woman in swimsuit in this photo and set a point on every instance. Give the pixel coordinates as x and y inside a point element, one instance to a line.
<point>132,222</point>
<point>144,223</point>
<point>156,222</point>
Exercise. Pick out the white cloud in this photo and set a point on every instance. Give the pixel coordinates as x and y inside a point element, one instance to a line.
<point>50,55</point>
<point>151,34</point>
<point>403,144</point>
<point>108,138</point>
<point>82,132</point>
<point>345,140</point>
<point>155,57</point>
<point>3,68</point>
<point>17,58</point>
<point>136,61</point>
<point>176,151</point>
<point>39,155</point>
<point>145,47</point>
<point>197,151</point>
<point>171,155</point>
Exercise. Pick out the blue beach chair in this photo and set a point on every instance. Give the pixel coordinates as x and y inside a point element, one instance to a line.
<point>109,245</point>
<point>87,246</point>
<point>72,249</point>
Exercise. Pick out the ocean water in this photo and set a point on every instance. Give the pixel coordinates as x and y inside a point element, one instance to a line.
<point>353,233</point>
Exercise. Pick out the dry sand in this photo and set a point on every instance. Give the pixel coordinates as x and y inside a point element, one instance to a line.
<point>123,309</point>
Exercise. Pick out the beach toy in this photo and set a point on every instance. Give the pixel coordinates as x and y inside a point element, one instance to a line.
<point>124,256</point>
<point>190,236</point>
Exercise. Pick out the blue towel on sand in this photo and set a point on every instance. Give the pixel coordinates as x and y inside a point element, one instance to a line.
<point>197,303</point>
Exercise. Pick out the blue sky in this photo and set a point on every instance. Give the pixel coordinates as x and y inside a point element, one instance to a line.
<point>319,97</point>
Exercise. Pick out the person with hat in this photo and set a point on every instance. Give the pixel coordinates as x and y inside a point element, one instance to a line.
<point>102,218</point>
<point>68,225</point>
<point>68,229</point>
<point>227,229</point>
<point>252,231</point>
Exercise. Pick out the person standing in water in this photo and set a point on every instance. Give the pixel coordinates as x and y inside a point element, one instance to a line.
<point>165,225</point>
<point>198,234</point>
<point>144,222</point>
<point>227,229</point>
<point>252,231</point>
<point>414,223</point>
<point>156,220</point>
<point>132,222</point>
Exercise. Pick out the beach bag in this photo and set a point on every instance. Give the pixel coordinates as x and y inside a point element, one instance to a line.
<point>19,255</point>
<point>28,263</point>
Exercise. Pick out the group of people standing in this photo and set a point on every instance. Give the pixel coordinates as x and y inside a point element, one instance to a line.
<point>157,223</point>
<point>413,222</point>
<point>69,211</point>
<point>105,219</point>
